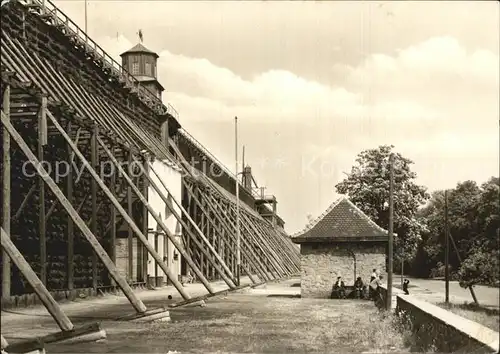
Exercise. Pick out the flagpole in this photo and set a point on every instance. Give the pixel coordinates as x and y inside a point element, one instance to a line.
<point>85,16</point>
<point>446,251</point>
<point>237,203</point>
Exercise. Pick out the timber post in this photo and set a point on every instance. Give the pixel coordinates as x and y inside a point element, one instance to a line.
<point>6,195</point>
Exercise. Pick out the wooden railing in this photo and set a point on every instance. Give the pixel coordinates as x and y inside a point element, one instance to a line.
<point>51,15</point>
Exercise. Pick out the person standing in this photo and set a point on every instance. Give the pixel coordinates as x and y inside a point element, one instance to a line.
<point>375,286</point>
<point>372,278</point>
<point>405,286</point>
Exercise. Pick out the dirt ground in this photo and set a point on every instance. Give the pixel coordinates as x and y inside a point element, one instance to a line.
<point>266,320</point>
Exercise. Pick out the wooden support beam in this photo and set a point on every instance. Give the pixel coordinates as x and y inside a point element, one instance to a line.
<point>105,258</point>
<point>70,162</point>
<point>278,249</point>
<point>249,241</point>
<point>188,243</point>
<point>225,220</point>
<point>230,249</point>
<point>32,346</point>
<point>216,259</point>
<point>204,205</point>
<point>187,167</point>
<point>4,344</point>
<point>130,233</point>
<point>48,301</point>
<point>42,229</point>
<point>112,238</point>
<point>6,194</point>
<point>145,192</point>
<point>292,254</point>
<point>261,248</point>
<point>93,192</point>
<point>269,246</point>
<point>18,212</point>
<point>165,229</point>
<point>156,273</point>
<point>262,243</point>
<point>200,246</point>
<point>83,331</point>
<point>70,266</point>
<point>137,303</point>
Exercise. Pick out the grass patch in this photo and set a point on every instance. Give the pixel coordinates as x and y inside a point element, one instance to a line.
<point>246,323</point>
<point>488,317</point>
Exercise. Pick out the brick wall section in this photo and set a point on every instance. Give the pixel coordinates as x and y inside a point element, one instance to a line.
<point>321,263</point>
<point>122,258</point>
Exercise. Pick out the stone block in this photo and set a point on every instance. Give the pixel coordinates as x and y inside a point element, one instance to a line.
<point>321,264</point>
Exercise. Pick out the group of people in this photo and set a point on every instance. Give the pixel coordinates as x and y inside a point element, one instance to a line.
<point>339,288</point>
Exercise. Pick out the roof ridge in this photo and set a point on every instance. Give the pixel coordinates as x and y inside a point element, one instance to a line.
<point>315,221</point>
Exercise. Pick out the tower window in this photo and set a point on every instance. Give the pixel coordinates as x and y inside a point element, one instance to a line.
<point>148,69</point>
<point>135,68</point>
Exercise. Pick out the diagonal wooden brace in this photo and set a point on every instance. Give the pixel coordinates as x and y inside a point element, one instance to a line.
<point>101,252</point>
<point>48,301</point>
<point>165,229</point>
<point>228,281</point>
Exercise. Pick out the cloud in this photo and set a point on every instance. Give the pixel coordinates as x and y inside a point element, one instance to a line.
<point>435,100</point>
<point>383,88</point>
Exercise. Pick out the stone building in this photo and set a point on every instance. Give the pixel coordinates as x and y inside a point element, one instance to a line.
<point>343,241</point>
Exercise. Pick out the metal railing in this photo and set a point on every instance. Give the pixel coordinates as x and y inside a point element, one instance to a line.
<point>59,18</point>
<point>203,149</point>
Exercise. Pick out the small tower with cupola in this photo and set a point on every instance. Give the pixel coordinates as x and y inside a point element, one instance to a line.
<point>141,62</point>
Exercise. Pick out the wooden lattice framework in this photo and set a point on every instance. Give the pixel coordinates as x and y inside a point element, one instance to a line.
<point>63,101</point>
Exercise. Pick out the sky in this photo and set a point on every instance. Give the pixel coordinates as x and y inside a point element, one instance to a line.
<point>315,83</point>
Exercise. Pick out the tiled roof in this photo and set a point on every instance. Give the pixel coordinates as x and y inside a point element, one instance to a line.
<point>139,48</point>
<point>342,221</point>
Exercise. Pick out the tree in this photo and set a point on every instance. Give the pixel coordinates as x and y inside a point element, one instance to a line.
<point>482,263</point>
<point>430,250</point>
<point>367,186</point>
<point>473,218</point>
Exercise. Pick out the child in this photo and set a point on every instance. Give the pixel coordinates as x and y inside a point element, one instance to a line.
<point>405,286</point>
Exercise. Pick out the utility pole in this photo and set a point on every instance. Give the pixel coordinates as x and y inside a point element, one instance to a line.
<point>391,236</point>
<point>237,203</point>
<point>402,267</point>
<point>446,250</point>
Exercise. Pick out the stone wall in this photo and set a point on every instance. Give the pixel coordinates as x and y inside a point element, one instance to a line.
<point>321,264</point>
<point>439,330</point>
